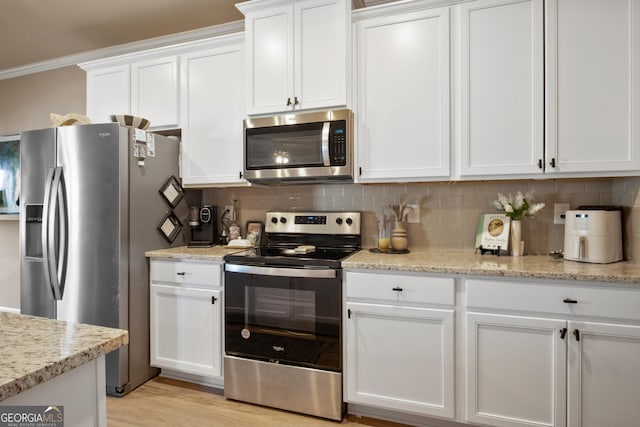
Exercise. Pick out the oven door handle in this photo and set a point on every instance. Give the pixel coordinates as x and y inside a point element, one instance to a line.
<point>324,273</point>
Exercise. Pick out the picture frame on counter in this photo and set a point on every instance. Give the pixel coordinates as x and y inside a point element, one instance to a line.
<point>492,233</point>
<point>255,230</point>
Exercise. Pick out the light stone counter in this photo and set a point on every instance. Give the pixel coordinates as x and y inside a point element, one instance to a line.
<point>214,253</point>
<point>35,349</point>
<point>467,263</point>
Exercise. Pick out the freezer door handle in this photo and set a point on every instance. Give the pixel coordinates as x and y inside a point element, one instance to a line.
<point>54,233</point>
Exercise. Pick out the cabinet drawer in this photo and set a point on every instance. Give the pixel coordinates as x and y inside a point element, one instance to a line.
<point>599,301</point>
<point>191,272</point>
<point>401,287</point>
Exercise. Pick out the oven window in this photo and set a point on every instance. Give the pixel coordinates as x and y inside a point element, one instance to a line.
<point>288,309</point>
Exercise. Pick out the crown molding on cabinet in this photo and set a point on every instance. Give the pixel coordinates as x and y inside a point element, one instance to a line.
<point>163,42</point>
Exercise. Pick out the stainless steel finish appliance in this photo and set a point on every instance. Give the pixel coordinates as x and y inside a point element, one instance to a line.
<point>283,313</point>
<point>204,227</point>
<point>88,212</point>
<point>299,148</point>
<point>593,234</point>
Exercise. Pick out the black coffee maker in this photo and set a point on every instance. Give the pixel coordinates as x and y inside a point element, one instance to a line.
<point>204,227</point>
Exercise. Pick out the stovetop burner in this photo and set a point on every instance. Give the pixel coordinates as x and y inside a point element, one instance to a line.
<point>304,239</point>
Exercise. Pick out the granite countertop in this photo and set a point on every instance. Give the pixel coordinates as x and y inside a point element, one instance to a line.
<point>468,263</point>
<point>214,253</point>
<point>35,349</point>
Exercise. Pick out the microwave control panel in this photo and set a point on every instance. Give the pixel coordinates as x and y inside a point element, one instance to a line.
<point>338,143</point>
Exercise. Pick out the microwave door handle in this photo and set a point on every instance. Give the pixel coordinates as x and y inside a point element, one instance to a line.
<point>325,144</point>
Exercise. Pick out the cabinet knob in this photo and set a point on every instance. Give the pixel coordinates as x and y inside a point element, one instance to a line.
<point>553,162</point>
<point>213,300</point>
<point>288,102</point>
<point>295,100</point>
<point>397,289</point>
<point>576,333</point>
<point>539,163</point>
<point>563,332</point>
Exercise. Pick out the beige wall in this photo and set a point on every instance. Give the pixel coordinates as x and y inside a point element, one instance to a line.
<point>26,103</point>
<point>28,100</point>
<point>449,211</point>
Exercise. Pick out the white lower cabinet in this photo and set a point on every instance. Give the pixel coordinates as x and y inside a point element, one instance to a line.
<point>399,349</point>
<point>186,317</point>
<point>558,367</point>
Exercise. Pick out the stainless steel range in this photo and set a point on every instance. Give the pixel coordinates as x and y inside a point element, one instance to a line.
<point>283,313</point>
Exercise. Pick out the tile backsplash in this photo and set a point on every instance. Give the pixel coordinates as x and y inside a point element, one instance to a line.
<point>449,211</point>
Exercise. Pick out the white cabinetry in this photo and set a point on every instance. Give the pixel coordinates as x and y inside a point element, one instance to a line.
<point>146,89</point>
<point>108,92</point>
<point>297,54</point>
<point>186,317</point>
<point>568,363</point>
<point>212,102</point>
<point>593,86</point>
<point>399,342</point>
<point>402,93</point>
<point>154,91</point>
<point>501,87</point>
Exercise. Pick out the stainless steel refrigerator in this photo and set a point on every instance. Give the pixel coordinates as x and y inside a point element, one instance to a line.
<point>89,209</point>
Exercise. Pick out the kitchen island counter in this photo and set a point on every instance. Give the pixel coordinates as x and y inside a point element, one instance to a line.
<point>468,263</point>
<point>55,370</point>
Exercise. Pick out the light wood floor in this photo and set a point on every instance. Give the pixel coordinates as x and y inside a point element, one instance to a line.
<point>166,402</point>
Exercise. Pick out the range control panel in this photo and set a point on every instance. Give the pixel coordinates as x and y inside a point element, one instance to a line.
<point>313,222</point>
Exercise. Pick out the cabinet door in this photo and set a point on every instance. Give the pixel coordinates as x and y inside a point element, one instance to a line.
<point>593,85</point>
<point>154,91</point>
<point>212,105</point>
<point>403,96</point>
<point>320,53</point>
<point>186,329</point>
<point>516,369</point>
<point>108,93</point>
<point>501,87</point>
<point>269,38</point>
<point>400,358</point>
<point>604,375</point>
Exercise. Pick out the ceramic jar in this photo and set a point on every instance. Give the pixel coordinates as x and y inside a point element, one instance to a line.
<point>399,240</point>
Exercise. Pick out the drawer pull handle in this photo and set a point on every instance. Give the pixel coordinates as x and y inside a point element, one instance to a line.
<point>576,333</point>
<point>569,301</point>
<point>181,273</point>
<point>397,289</point>
<point>563,332</point>
<point>213,300</point>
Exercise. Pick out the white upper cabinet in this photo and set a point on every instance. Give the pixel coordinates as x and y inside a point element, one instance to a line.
<point>108,92</point>
<point>593,86</point>
<point>402,94</point>
<point>501,87</point>
<point>212,100</point>
<point>154,91</point>
<point>297,54</point>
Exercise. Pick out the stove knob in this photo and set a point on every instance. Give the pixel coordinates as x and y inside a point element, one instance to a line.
<point>283,220</point>
<point>274,220</point>
<point>349,221</point>
<point>339,221</point>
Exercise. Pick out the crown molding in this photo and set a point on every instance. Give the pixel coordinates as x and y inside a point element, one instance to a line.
<point>123,49</point>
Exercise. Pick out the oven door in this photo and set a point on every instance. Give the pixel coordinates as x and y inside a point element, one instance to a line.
<point>284,315</point>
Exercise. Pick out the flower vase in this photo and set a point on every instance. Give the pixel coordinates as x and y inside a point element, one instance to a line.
<point>516,237</point>
<point>399,237</point>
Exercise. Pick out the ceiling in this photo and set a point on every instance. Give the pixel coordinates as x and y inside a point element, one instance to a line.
<point>32,31</point>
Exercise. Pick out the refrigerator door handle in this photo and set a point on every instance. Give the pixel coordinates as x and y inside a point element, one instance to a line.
<point>54,263</point>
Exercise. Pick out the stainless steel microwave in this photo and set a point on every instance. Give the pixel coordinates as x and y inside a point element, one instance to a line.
<point>299,148</point>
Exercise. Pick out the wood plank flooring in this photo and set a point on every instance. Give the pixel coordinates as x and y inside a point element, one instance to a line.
<point>166,402</point>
